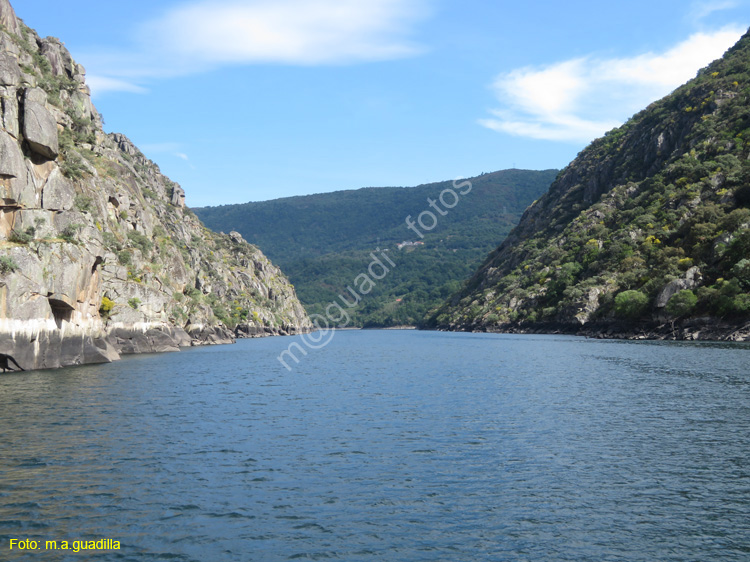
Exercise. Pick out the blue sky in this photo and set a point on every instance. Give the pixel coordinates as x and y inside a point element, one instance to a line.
<point>248,100</point>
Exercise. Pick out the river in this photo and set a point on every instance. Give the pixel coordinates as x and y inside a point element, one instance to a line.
<point>386,445</point>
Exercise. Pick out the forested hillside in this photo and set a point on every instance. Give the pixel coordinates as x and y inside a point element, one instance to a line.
<point>323,241</point>
<point>647,231</point>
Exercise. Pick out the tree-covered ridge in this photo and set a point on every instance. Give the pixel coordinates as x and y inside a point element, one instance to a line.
<point>648,224</point>
<point>323,241</point>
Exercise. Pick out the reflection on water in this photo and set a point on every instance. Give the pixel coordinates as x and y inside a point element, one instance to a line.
<point>387,446</point>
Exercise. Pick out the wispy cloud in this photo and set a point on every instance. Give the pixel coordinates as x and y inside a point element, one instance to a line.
<point>580,99</point>
<point>201,35</point>
<point>170,148</point>
<point>102,84</point>
<point>700,10</point>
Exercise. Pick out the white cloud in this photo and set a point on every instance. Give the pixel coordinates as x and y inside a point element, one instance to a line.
<point>102,84</point>
<point>286,31</point>
<point>580,99</point>
<point>701,10</point>
<point>201,35</point>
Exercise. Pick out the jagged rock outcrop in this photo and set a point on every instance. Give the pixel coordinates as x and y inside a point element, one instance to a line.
<point>8,18</point>
<point>645,234</point>
<point>691,280</point>
<point>39,126</point>
<point>98,254</point>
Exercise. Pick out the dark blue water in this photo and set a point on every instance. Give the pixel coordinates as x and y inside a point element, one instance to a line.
<point>394,446</point>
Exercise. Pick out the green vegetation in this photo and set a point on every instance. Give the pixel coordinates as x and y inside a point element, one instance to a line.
<point>323,242</point>
<point>631,305</point>
<point>7,265</point>
<point>142,242</point>
<point>741,272</point>
<point>72,165</point>
<point>134,303</point>
<point>111,241</point>
<point>106,307</point>
<point>664,197</point>
<point>70,233</point>
<point>682,304</point>
<point>83,203</point>
<point>125,257</point>
<point>22,237</point>
<point>47,80</point>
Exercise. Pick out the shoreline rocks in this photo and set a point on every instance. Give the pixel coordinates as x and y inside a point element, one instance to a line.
<point>694,329</point>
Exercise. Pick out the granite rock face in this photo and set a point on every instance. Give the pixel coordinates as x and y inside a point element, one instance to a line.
<point>98,254</point>
<point>8,17</point>
<point>39,126</point>
<point>690,281</point>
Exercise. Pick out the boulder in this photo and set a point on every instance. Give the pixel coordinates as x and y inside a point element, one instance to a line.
<point>161,341</point>
<point>59,59</point>
<point>10,73</point>
<point>178,196</point>
<point>124,144</point>
<point>129,340</point>
<point>99,350</point>
<point>180,336</point>
<point>22,189</point>
<point>42,222</point>
<point>9,102</point>
<point>249,331</point>
<point>58,193</point>
<point>590,305</point>
<point>73,268</point>
<point>39,126</point>
<point>12,164</point>
<point>692,279</point>
<point>209,335</point>
<point>82,101</point>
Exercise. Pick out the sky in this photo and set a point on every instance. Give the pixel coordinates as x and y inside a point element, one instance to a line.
<point>250,100</point>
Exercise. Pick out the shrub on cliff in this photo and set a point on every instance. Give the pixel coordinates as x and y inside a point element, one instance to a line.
<point>631,305</point>
<point>682,304</point>
<point>7,265</point>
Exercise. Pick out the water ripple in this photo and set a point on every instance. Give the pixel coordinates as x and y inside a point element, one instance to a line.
<point>387,446</point>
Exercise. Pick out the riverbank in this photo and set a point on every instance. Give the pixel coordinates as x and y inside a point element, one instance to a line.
<point>694,329</point>
<point>47,349</point>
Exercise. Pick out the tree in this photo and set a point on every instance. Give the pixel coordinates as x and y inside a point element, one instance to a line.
<point>631,305</point>
<point>682,303</point>
<point>741,271</point>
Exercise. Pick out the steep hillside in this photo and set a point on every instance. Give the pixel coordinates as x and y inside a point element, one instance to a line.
<point>646,232</point>
<point>98,254</point>
<point>324,241</point>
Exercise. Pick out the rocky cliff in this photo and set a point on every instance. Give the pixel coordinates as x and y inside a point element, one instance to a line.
<point>646,233</point>
<point>98,254</point>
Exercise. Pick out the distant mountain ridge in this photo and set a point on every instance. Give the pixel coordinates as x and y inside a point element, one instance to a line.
<point>322,241</point>
<point>645,233</point>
